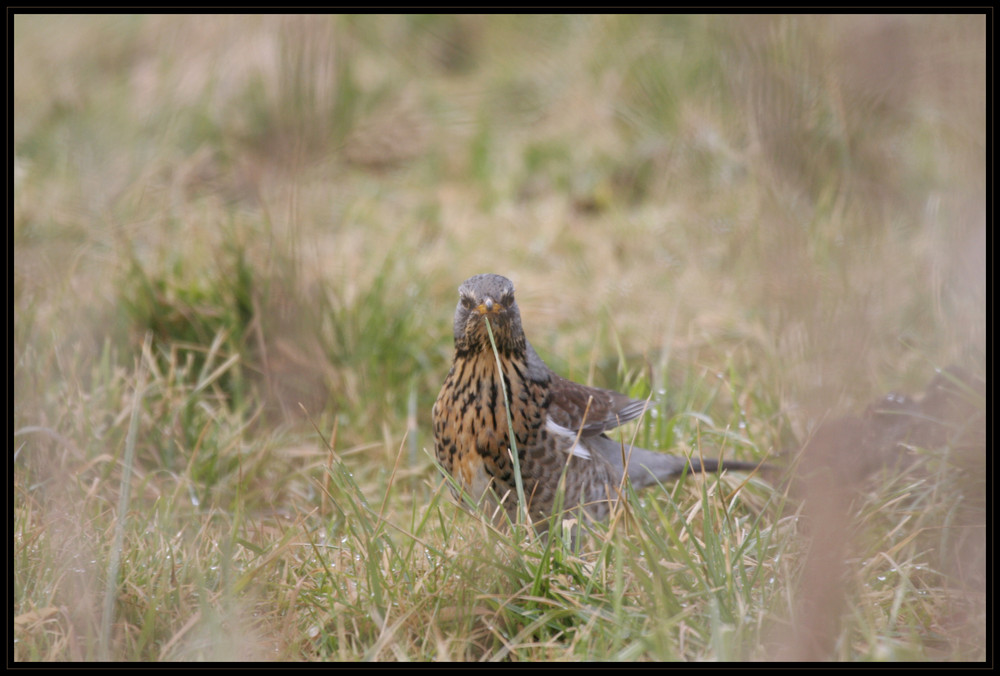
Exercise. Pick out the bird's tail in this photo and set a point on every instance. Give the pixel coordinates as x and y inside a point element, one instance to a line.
<point>712,465</point>
<point>646,468</point>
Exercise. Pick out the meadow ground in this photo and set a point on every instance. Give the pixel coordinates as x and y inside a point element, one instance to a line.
<point>237,244</point>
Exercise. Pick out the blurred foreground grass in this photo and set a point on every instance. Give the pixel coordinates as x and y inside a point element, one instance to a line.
<point>762,221</point>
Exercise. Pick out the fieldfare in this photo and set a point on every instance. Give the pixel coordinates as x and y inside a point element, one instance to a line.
<point>559,426</point>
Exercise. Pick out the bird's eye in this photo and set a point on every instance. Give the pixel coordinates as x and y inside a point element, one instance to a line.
<point>466,301</point>
<point>506,297</point>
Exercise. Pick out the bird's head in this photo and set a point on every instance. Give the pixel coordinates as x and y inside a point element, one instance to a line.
<point>487,296</point>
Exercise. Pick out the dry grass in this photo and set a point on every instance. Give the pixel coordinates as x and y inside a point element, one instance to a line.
<point>765,221</point>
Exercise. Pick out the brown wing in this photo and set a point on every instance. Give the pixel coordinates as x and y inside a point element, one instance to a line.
<point>568,403</point>
<point>568,407</point>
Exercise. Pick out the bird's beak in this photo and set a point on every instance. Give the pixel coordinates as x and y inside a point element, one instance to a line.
<point>488,307</point>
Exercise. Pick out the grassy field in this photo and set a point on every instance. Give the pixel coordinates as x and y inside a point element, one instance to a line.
<point>237,247</point>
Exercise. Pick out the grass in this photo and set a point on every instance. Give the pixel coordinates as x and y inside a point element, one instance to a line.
<point>762,223</point>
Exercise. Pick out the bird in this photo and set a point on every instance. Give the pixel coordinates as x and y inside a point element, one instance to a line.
<point>560,428</point>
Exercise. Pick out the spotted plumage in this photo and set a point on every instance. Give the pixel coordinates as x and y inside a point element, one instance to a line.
<point>559,426</point>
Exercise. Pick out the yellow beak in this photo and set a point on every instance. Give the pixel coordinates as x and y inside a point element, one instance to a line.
<point>488,307</point>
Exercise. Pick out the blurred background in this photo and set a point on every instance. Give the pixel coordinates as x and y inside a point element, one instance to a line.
<point>787,209</point>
